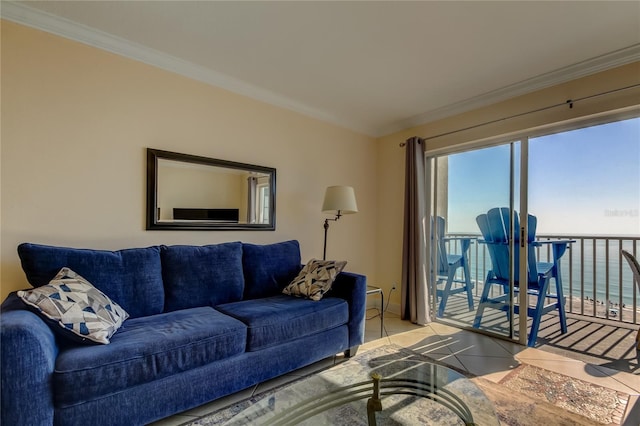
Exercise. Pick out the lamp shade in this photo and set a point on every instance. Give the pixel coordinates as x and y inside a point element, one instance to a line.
<point>340,199</point>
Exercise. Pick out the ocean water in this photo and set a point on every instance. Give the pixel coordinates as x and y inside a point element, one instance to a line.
<point>593,263</point>
<point>586,268</point>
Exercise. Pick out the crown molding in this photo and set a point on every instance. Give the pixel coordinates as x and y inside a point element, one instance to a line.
<point>582,69</point>
<point>22,14</point>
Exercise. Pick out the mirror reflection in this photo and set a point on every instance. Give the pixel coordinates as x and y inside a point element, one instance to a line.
<point>191,192</point>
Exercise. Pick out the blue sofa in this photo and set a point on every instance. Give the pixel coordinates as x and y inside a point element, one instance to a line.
<point>204,322</point>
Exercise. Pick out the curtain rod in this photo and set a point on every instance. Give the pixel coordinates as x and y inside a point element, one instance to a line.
<point>569,102</point>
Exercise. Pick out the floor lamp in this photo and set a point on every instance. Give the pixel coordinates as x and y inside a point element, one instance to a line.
<point>338,200</point>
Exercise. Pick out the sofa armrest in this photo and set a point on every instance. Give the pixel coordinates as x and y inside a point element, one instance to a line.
<point>28,352</point>
<point>353,288</point>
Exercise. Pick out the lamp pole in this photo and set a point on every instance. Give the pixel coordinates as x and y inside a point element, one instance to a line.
<point>326,228</point>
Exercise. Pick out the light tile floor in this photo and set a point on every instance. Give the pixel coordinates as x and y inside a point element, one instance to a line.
<point>475,353</point>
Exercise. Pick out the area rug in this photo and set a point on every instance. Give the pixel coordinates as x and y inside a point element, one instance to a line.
<point>605,406</point>
<point>527,396</point>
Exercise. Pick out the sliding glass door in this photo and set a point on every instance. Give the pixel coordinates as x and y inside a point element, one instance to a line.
<point>578,188</point>
<point>465,187</point>
<point>584,186</point>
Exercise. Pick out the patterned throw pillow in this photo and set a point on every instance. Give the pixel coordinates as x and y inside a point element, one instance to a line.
<point>315,279</point>
<point>71,304</point>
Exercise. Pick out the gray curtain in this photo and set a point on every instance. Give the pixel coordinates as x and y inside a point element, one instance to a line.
<point>414,288</point>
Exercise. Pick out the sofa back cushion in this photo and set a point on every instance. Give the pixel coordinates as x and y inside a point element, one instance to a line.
<point>197,276</point>
<point>131,277</point>
<point>269,268</point>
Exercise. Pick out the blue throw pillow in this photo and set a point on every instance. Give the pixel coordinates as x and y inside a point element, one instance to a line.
<point>269,268</point>
<point>133,276</point>
<point>197,276</point>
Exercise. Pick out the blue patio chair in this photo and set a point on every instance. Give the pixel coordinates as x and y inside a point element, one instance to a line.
<point>448,265</point>
<point>495,229</point>
<point>635,269</point>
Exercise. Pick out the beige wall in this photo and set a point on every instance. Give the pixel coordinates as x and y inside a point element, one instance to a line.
<point>76,121</point>
<point>390,166</point>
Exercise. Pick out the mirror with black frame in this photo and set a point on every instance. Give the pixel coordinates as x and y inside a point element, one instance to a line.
<point>200,193</point>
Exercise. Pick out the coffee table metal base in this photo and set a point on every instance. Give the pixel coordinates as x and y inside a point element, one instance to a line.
<point>372,389</point>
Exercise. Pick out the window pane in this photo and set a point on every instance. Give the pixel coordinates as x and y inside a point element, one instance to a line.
<point>587,181</point>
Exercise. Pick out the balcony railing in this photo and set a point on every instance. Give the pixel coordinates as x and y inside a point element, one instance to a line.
<point>597,280</point>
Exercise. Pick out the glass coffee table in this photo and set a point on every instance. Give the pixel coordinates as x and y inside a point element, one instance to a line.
<point>381,389</point>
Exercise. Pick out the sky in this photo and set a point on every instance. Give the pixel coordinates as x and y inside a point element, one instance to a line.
<point>581,182</point>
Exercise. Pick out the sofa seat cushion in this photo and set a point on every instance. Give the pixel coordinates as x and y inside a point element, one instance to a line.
<point>278,319</point>
<point>146,349</point>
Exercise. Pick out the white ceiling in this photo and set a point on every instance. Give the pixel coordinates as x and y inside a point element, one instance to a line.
<point>373,66</point>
